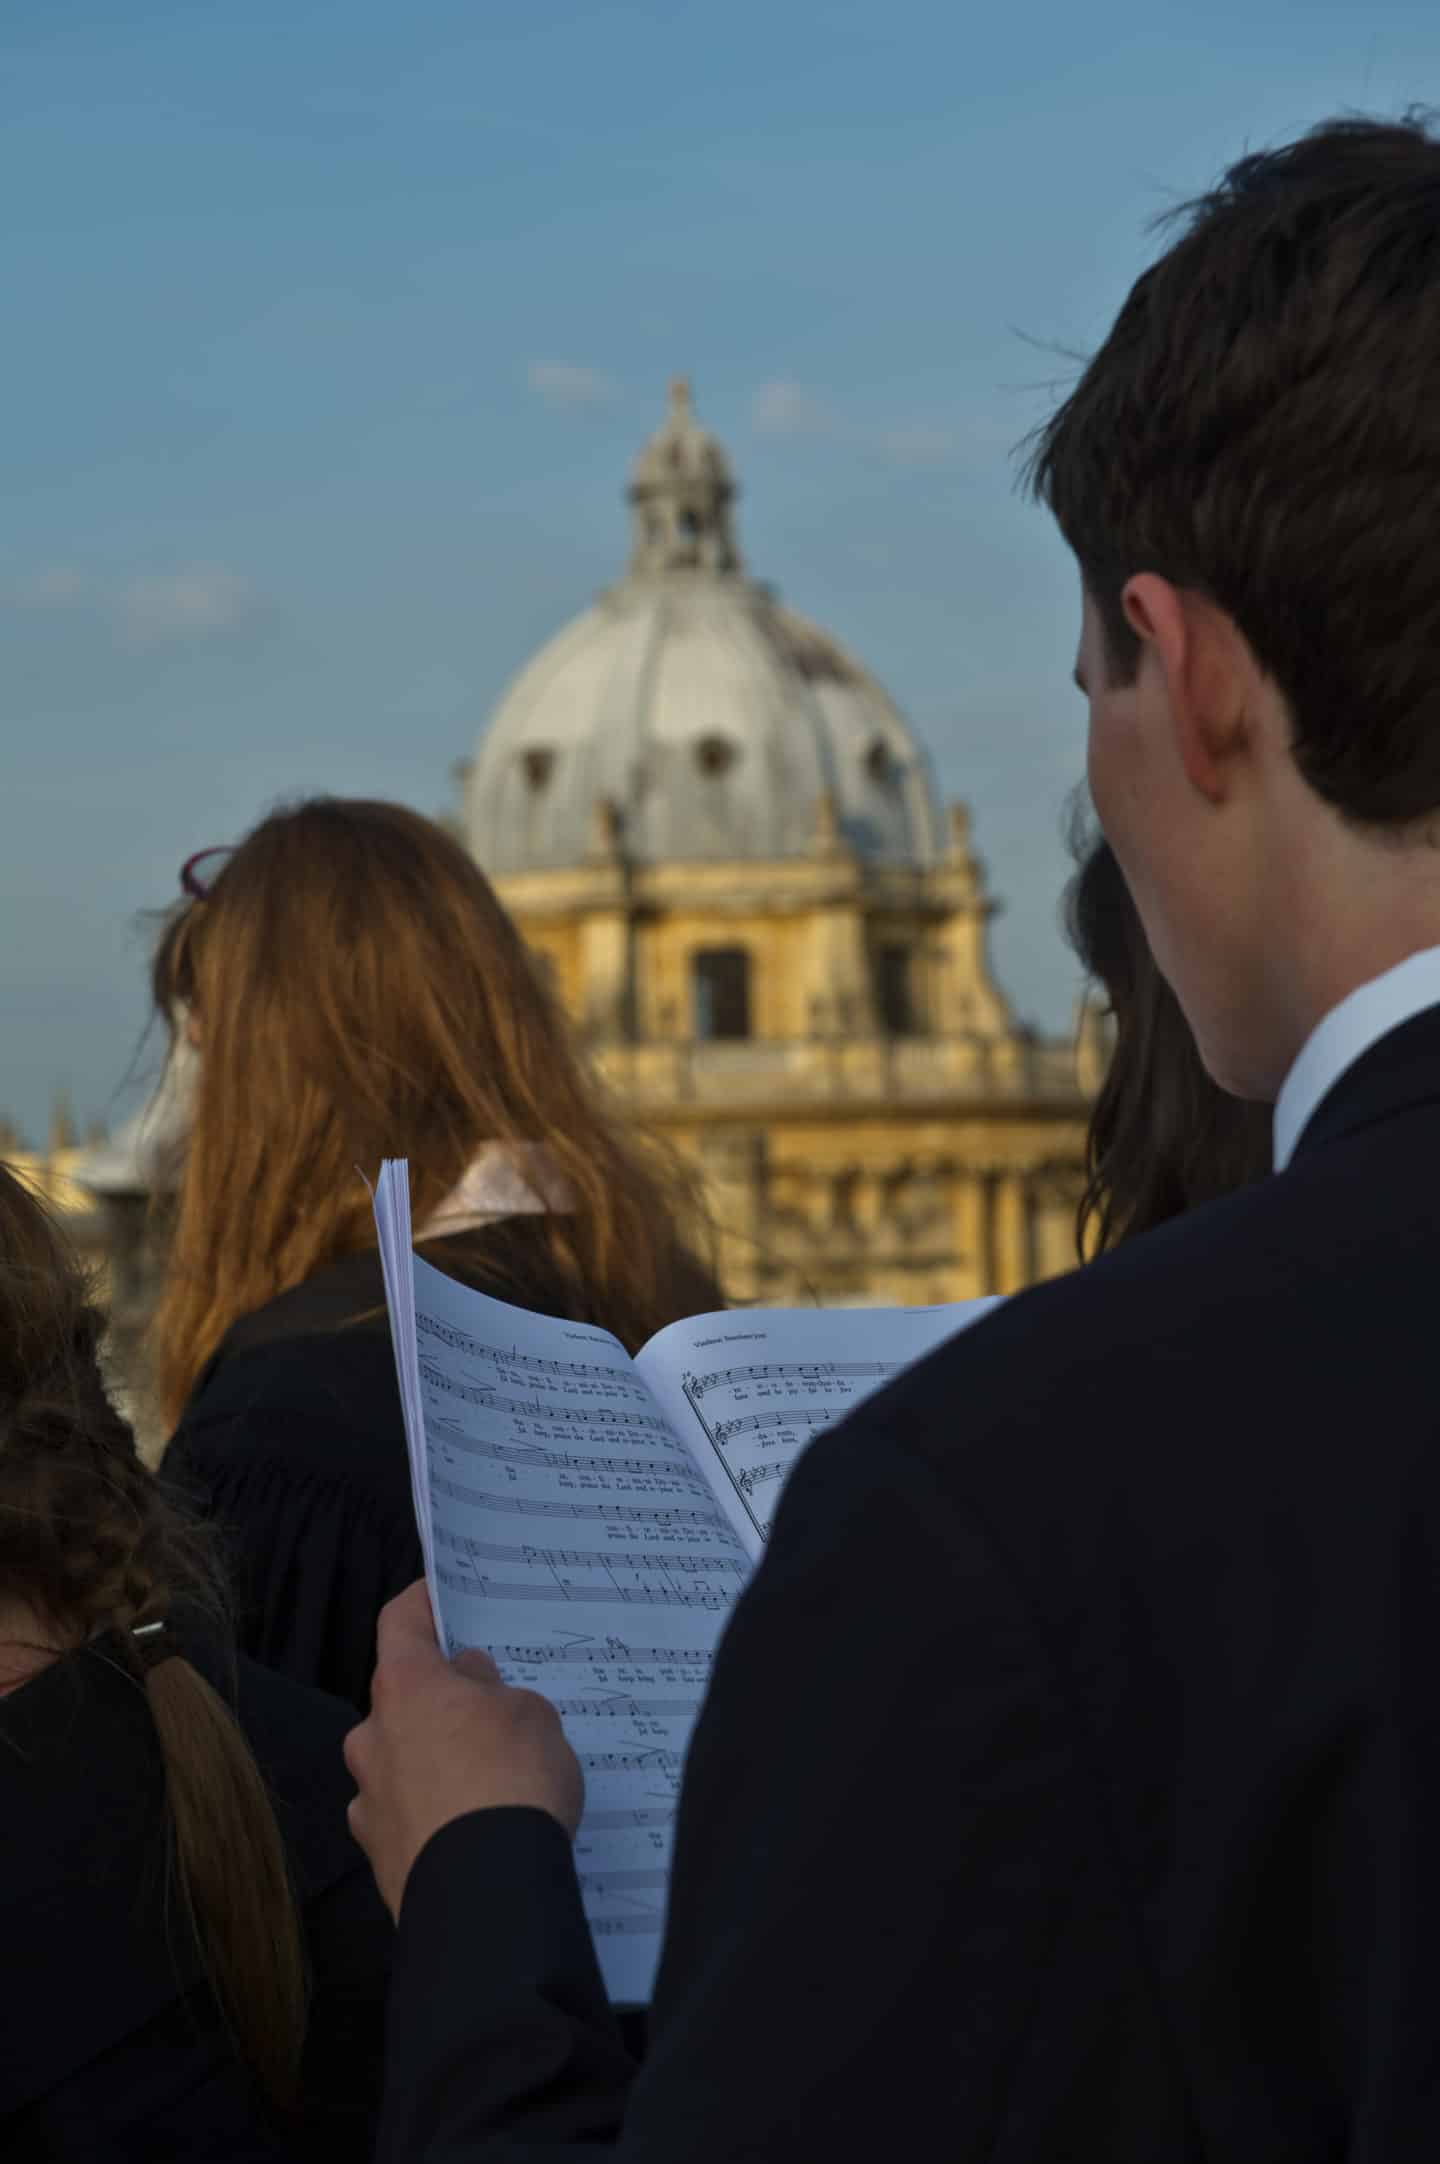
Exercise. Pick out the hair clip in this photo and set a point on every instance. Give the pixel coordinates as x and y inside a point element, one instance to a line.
<point>146,1630</point>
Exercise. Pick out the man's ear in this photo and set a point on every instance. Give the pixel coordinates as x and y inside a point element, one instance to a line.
<point>1200,665</point>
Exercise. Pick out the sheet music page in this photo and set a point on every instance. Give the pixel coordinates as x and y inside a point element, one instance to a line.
<point>752,1387</point>
<point>574,1540</point>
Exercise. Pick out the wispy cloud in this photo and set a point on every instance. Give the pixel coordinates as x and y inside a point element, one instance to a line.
<point>58,587</point>
<point>787,409</point>
<point>781,408</point>
<point>566,388</point>
<point>917,445</point>
<point>172,607</point>
<point>161,608</point>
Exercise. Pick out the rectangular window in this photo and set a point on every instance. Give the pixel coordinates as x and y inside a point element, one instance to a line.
<point>721,980</point>
<point>894,992</point>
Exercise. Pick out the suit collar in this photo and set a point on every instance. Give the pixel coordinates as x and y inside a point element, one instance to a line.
<point>1398,1073</point>
<point>1345,1034</point>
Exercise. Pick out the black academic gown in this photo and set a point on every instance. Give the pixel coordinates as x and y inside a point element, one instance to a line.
<point>1069,1786</point>
<point>293,1447</point>
<point>112,2050</point>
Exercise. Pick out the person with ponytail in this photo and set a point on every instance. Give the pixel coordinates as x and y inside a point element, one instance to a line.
<point>342,987</point>
<point>195,1958</point>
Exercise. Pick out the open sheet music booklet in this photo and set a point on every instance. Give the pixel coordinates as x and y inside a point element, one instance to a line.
<point>589,1519</point>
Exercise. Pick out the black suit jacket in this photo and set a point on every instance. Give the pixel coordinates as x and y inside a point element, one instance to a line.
<point>1069,1786</point>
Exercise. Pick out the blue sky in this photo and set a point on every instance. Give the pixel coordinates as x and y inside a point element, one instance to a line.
<point>330,330</point>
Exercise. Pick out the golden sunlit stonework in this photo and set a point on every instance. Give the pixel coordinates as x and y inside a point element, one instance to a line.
<point>722,842</point>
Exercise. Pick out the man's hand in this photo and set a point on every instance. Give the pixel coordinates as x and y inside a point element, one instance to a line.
<point>444,1738</point>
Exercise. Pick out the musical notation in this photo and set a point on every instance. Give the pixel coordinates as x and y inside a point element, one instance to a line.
<point>522,1439</point>
<point>624,1821</point>
<point>570,1461</point>
<point>601,1559</point>
<point>803,1416</point>
<point>518,1362</point>
<point>757,1443</point>
<point>622,1882</point>
<point>664,1520</point>
<point>751,1478</point>
<point>590,1416</point>
<point>598,1651</point>
<point>785,1371</point>
<point>480,1585</point>
<point>611,1707</point>
<point>667,1762</point>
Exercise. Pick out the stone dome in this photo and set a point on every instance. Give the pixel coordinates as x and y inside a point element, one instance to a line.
<point>689,716</point>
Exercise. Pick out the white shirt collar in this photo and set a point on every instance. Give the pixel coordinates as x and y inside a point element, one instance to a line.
<point>503,1179</point>
<point>1366,1015</point>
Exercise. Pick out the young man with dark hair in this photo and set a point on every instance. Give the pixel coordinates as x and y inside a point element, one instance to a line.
<point>1108,1824</point>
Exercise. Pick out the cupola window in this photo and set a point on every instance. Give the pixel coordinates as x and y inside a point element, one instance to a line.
<point>880,762</point>
<point>721,984</point>
<point>715,754</point>
<point>538,763</point>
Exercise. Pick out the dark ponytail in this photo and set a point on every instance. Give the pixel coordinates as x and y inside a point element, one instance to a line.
<point>1162,1136</point>
<point>91,1543</point>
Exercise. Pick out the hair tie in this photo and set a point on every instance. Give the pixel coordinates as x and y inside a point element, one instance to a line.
<point>154,1642</point>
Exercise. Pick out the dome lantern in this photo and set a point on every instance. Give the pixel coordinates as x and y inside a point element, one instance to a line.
<point>713,721</point>
<point>681,491</point>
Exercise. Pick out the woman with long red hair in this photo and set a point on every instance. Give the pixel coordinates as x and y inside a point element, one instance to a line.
<point>345,986</point>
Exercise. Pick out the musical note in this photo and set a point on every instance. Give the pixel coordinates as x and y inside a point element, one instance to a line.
<point>693,1522</point>
<point>614,1706</point>
<point>807,1417</point>
<point>667,1559</point>
<point>801,1371</point>
<point>591,1652</point>
<point>667,1762</point>
<point>622,1882</point>
<point>532,1408</point>
<point>479,1585</point>
<point>572,1461</point>
<point>512,1358</point>
<point>624,1821</point>
<point>751,1478</point>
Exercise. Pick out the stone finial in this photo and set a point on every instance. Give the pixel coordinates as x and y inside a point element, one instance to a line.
<point>962,861</point>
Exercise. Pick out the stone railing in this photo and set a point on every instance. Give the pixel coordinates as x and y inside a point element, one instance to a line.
<point>843,1070</point>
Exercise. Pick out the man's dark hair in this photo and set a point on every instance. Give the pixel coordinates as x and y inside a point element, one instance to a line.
<point>1262,426</point>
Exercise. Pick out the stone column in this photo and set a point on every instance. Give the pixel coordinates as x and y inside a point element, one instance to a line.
<point>1014,1258</point>
<point>970,1237</point>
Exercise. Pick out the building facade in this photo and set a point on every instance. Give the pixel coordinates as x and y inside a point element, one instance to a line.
<point>723,844</point>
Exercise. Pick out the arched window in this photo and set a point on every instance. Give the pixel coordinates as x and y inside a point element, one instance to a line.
<point>720,977</point>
